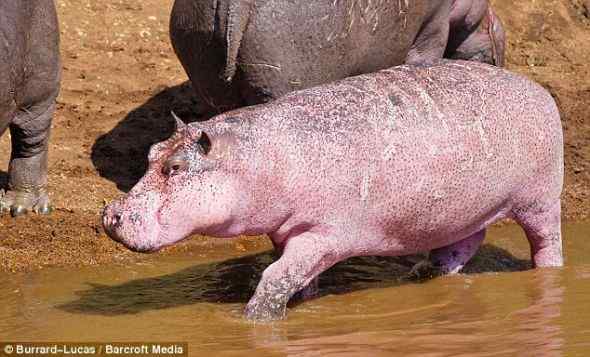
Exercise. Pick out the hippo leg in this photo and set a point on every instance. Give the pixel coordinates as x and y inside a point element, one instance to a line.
<point>483,43</point>
<point>193,25</point>
<point>431,41</point>
<point>450,259</point>
<point>310,291</point>
<point>28,163</point>
<point>542,226</point>
<point>304,257</point>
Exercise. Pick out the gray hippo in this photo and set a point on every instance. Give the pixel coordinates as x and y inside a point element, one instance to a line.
<point>248,52</point>
<point>29,83</point>
<point>411,159</point>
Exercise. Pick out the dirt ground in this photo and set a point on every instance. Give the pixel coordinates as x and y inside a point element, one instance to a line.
<point>121,79</point>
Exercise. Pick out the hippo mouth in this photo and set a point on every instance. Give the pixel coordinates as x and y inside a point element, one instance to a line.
<point>134,235</point>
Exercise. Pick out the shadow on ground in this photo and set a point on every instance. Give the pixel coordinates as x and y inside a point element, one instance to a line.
<point>234,281</point>
<point>4,179</point>
<point>121,154</point>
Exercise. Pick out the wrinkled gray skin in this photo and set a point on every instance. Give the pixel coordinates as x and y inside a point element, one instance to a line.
<point>247,52</point>
<point>29,84</point>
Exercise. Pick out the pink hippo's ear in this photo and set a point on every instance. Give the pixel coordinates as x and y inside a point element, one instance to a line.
<point>179,126</point>
<point>200,138</point>
<point>204,143</point>
<point>195,134</point>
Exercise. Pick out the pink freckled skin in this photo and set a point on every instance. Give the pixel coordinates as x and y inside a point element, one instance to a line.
<point>406,160</point>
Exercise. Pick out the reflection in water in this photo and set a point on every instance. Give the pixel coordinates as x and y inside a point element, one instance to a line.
<point>539,327</point>
<point>499,308</point>
<point>471,325</point>
<point>234,281</point>
<point>230,281</point>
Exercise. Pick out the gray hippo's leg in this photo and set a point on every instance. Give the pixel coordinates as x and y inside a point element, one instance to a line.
<point>37,81</point>
<point>193,27</point>
<point>304,257</point>
<point>27,186</point>
<point>477,34</point>
<point>431,42</point>
<point>450,259</point>
<point>542,226</point>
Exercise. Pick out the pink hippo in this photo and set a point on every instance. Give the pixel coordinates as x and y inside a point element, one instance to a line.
<point>406,160</point>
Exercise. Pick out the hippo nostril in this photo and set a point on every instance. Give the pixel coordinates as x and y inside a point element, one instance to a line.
<point>117,218</point>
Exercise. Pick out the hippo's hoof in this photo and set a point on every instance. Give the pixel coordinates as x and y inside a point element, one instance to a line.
<point>19,203</point>
<point>265,312</point>
<point>17,211</point>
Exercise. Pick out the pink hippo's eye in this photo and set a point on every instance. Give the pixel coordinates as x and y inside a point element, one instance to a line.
<point>172,168</point>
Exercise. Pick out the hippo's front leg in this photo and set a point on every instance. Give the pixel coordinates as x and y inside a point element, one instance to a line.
<point>308,292</point>
<point>27,186</point>
<point>304,257</point>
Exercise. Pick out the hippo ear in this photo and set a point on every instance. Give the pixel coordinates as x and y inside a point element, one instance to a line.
<point>179,124</point>
<point>203,142</point>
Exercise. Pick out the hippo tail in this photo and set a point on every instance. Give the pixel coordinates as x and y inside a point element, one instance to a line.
<point>237,16</point>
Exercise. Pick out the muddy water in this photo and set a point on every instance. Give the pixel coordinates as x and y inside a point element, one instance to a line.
<point>498,308</point>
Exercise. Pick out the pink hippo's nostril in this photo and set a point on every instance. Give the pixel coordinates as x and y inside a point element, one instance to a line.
<point>117,219</point>
<point>112,218</point>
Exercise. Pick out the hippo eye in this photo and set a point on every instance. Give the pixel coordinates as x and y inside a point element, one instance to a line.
<point>171,168</point>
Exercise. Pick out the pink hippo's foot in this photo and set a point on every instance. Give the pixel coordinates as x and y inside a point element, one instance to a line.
<point>304,257</point>
<point>450,259</point>
<point>542,226</point>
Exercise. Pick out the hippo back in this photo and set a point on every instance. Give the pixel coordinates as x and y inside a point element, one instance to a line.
<point>456,139</point>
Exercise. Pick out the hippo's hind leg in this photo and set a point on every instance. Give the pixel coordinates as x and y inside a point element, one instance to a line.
<point>431,41</point>
<point>542,226</point>
<point>197,41</point>
<point>450,259</point>
<point>482,41</point>
<point>27,186</point>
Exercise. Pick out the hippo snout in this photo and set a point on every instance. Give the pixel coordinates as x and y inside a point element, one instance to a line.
<point>126,225</point>
<point>112,219</point>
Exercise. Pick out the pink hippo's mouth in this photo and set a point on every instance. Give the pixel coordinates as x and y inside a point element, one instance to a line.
<point>132,231</point>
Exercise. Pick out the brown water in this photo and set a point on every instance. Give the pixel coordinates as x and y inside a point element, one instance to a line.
<point>365,309</point>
